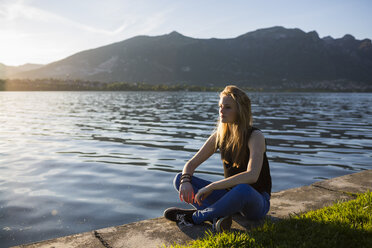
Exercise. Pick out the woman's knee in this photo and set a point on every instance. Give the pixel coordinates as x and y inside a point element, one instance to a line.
<point>244,190</point>
<point>176,181</point>
<point>243,187</point>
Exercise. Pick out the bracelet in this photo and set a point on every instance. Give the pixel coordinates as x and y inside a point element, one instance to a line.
<point>185,181</point>
<point>185,178</point>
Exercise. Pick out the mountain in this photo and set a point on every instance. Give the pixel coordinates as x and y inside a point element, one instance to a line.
<point>271,56</point>
<point>8,71</point>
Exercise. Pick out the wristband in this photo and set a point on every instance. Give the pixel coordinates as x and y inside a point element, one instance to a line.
<point>185,175</point>
<point>185,181</point>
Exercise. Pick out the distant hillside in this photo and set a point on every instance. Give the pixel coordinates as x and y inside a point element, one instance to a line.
<point>8,71</point>
<point>267,57</point>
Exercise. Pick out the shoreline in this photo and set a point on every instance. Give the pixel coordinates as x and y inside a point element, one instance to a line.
<point>159,231</point>
<point>52,84</point>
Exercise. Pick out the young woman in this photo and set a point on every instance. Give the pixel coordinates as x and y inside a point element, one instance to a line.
<point>246,188</point>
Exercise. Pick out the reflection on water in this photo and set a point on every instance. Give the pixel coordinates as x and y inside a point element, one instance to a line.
<point>77,161</point>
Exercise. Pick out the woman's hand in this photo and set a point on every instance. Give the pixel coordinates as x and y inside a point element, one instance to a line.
<point>202,194</point>
<point>187,192</point>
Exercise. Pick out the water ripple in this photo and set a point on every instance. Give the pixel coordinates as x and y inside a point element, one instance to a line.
<point>77,161</point>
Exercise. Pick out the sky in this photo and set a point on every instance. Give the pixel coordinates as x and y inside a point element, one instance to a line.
<point>44,31</point>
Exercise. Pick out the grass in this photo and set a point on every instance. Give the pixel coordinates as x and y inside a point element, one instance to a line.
<point>344,224</point>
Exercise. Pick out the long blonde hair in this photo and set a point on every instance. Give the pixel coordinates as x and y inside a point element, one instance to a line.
<point>233,137</point>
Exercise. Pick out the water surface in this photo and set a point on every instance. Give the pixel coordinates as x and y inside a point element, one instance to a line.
<point>77,161</point>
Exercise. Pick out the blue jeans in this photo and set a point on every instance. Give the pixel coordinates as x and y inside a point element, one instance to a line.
<point>242,198</point>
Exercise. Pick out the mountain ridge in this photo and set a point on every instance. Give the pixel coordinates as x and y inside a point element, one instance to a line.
<point>268,56</point>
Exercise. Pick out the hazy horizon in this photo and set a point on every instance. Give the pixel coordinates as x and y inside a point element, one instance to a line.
<point>41,32</point>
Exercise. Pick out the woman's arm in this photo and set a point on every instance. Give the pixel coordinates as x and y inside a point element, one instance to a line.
<point>257,148</point>
<point>186,191</point>
<point>203,154</point>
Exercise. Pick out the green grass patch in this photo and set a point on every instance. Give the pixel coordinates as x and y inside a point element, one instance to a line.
<point>344,224</point>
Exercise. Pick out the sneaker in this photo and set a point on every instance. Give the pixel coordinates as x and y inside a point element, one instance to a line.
<point>180,216</point>
<point>223,224</point>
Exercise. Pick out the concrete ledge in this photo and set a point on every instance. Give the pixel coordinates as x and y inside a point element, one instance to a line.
<point>81,240</point>
<point>303,199</point>
<point>354,183</point>
<point>159,231</point>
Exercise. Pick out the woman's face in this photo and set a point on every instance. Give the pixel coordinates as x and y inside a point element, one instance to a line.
<point>228,109</point>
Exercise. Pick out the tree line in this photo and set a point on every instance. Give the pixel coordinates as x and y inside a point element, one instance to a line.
<point>52,84</point>
<point>82,85</point>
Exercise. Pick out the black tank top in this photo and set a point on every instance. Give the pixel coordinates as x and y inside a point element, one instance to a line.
<point>263,183</point>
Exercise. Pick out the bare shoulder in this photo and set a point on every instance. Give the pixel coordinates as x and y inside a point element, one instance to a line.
<point>257,134</point>
<point>211,140</point>
<point>213,136</point>
<point>257,140</point>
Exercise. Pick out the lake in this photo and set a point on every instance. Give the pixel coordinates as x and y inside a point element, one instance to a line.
<point>73,162</point>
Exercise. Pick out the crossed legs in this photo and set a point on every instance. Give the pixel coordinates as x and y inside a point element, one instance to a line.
<point>220,203</point>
